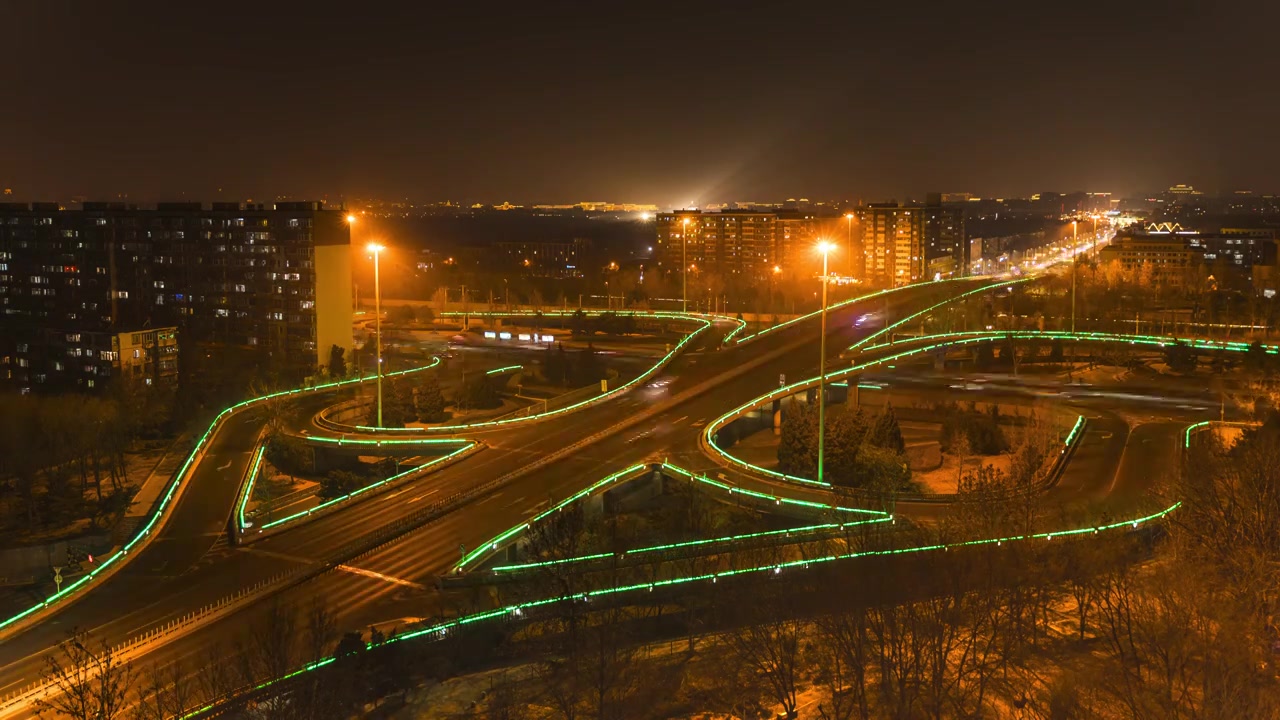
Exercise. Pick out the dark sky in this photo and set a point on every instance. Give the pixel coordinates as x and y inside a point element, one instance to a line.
<point>631,101</point>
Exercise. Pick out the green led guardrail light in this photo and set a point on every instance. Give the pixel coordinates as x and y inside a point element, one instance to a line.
<point>948,301</point>
<point>172,488</point>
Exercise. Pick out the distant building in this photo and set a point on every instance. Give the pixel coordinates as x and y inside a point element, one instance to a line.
<point>891,238</point>
<point>276,279</point>
<point>558,259</point>
<point>945,248</point>
<point>892,244</point>
<point>740,242</point>
<point>147,356</point>
<point>1166,259</point>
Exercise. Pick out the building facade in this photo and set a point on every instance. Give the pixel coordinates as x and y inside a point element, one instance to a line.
<point>892,240</point>
<point>946,247</point>
<point>1167,259</point>
<point>730,243</point>
<point>276,278</point>
<point>547,259</point>
<point>891,244</point>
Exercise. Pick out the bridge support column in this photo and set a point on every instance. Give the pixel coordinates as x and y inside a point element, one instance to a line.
<point>777,417</point>
<point>593,509</point>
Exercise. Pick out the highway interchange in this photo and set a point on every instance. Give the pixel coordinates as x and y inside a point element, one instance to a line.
<point>1130,442</point>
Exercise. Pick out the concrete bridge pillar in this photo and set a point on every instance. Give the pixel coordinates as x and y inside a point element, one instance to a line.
<point>594,507</point>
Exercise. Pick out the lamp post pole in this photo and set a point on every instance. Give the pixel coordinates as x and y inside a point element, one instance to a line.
<point>849,241</point>
<point>822,364</point>
<point>377,322</point>
<point>1074,258</point>
<point>684,267</point>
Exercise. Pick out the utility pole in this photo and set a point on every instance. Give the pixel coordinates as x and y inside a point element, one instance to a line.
<point>822,362</point>
<point>684,266</point>
<point>377,321</point>
<point>1074,264</point>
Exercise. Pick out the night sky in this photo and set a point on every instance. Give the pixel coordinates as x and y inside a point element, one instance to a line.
<point>634,101</point>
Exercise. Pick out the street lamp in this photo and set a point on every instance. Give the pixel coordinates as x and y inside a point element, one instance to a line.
<point>377,249</point>
<point>825,248</point>
<point>684,266</point>
<point>849,240</point>
<point>1074,259</point>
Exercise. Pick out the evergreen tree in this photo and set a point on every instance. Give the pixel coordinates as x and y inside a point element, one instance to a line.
<point>587,368</point>
<point>555,366</point>
<point>985,357</point>
<point>885,432</point>
<point>578,323</point>
<point>1255,358</point>
<point>429,401</point>
<point>337,362</point>
<point>1055,351</point>
<point>846,431</point>
<point>882,471</point>
<point>397,405</point>
<point>797,446</point>
<point>480,394</point>
<point>1180,358</point>
<point>288,454</point>
<point>338,483</point>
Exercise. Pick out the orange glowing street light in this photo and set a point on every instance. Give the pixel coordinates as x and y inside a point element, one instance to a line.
<point>849,239</point>
<point>376,249</point>
<point>684,262</point>
<point>351,219</point>
<point>825,247</point>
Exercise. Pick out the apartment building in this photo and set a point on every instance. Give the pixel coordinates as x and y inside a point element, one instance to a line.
<point>276,278</point>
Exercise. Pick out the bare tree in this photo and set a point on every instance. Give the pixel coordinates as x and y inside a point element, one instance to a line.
<point>768,642</point>
<point>167,691</point>
<point>87,680</point>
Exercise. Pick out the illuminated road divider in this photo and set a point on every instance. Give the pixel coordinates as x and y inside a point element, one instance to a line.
<point>704,325</point>
<point>23,700</point>
<point>712,448</point>
<point>512,534</point>
<point>844,303</point>
<point>1210,424</point>
<point>159,516</point>
<point>248,533</point>
<point>890,328</point>
<point>1162,341</point>
<point>439,630</point>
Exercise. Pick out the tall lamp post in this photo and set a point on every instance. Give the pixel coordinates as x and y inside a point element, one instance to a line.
<point>848,240</point>
<point>825,248</point>
<point>377,249</point>
<point>1074,258</point>
<point>684,266</point>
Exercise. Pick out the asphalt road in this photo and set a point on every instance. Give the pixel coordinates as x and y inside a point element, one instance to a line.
<point>189,566</point>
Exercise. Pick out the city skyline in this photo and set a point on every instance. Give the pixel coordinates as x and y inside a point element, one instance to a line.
<point>666,105</point>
